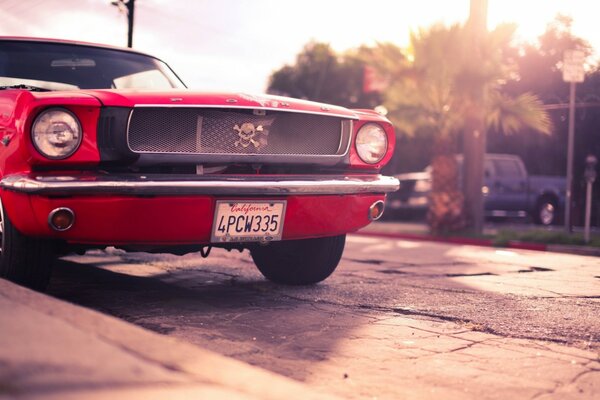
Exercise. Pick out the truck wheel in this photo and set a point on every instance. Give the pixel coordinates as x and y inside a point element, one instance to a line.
<point>24,260</point>
<point>546,211</point>
<point>299,262</point>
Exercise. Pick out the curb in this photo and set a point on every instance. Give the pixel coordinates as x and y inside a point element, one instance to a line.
<point>579,250</point>
<point>426,238</point>
<point>51,349</point>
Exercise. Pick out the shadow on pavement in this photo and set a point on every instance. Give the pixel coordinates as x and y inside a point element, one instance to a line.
<point>288,330</point>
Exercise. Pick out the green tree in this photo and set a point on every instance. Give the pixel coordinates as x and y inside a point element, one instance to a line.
<point>432,91</point>
<point>319,74</point>
<point>539,64</point>
<point>540,72</point>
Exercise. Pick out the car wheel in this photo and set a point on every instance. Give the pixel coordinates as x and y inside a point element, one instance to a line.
<point>23,260</point>
<point>546,212</point>
<point>299,262</point>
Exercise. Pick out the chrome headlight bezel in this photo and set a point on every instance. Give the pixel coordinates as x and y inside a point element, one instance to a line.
<point>371,143</point>
<point>56,133</point>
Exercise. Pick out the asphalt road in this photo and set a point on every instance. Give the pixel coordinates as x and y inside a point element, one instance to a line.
<point>395,318</point>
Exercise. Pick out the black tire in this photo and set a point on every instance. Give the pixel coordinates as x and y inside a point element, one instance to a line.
<point>299,262</point>
<point>546,211</point>
<point>24,260</point>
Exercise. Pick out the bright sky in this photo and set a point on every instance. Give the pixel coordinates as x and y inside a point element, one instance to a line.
<point>234,45</point>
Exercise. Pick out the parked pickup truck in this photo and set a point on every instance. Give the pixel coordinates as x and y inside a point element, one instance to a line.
<point>508,191</point>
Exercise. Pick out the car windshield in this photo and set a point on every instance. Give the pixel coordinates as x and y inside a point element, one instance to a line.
<point>63,66</point>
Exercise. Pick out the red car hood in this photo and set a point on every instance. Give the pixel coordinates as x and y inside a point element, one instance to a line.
<point>132,98</point>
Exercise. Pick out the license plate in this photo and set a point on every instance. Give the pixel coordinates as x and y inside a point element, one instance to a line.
<point>248,221</point>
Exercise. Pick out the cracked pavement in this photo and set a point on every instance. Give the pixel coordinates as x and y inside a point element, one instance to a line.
<point>398,319</point>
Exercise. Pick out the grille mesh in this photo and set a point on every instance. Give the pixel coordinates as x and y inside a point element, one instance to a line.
<point>210,131</point>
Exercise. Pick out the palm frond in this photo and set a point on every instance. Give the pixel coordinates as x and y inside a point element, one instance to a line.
<point>510,115</point>
<point>437,83</point>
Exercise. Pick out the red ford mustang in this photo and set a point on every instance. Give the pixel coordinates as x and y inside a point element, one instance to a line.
<point>102,146</point>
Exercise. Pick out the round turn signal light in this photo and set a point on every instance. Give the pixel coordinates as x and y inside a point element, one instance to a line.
<point>61,219</point>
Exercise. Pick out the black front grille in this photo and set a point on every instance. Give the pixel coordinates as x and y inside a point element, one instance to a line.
<point>216,131</point>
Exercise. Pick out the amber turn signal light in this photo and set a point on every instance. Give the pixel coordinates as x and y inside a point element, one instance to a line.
<point>61,219</point>
<point>376,210</point>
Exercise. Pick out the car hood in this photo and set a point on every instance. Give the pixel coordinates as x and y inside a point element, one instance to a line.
<point>189,98</point>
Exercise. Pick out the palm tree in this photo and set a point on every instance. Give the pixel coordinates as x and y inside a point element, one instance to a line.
<point>435,87</point>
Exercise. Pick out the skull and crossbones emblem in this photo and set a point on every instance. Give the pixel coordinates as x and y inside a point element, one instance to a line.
<point>247,132</point>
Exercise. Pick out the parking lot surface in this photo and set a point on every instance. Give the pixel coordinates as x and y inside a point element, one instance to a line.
<point>399,319</point>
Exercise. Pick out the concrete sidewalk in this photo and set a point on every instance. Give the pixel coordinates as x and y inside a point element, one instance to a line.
<point>374,323</point>
<point>419,231</point>
<point>50,349</point>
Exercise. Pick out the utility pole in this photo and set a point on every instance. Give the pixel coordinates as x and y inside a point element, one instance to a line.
<point>475,132</point>
<point>573,73</point>
<point>128,8</point>
<point>570,155</point>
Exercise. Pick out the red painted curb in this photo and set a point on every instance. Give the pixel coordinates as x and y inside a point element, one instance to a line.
<point>527,246</point>
<point>483,242</point>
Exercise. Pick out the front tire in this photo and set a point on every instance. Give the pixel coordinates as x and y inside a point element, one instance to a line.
<point>299,262</point>
<point>24,260</point>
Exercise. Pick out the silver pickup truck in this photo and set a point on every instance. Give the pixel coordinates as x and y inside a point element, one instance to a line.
<point>509,191</point>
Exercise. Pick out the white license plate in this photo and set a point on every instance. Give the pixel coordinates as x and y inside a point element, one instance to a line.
<point>248,221</point>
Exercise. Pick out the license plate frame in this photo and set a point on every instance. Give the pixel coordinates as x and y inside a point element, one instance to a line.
<point>248,221</point>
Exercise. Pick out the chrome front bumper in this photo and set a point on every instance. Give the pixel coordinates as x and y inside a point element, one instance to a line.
<point>168,185</point>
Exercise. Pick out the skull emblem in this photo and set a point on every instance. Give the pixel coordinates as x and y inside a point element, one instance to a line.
<point>247,133</point>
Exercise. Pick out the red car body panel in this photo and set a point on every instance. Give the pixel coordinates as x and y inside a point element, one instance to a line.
<point>121,219</point>
<point>169,220</point>
<point>22,106</point>
<point>175,98</point>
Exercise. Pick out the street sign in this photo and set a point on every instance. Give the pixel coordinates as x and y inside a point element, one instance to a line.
<point>573,66</point>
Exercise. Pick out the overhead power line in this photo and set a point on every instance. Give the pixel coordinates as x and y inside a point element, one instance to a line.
<point>563,106</point>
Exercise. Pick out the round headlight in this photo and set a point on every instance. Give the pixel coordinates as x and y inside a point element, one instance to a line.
<point>371,143</point>
<point>56,133</point>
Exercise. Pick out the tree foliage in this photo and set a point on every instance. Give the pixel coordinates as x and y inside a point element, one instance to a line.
<point>320,74</point>
<point>433,90</point>
<point>539,72</point>
<point>438,88</point>
<point>429,86</point>
<point>539,64</point>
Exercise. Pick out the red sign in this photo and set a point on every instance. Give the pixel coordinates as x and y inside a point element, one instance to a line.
<point>372,81</point>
